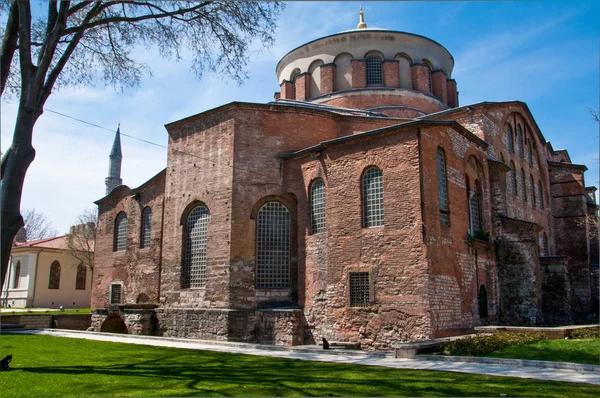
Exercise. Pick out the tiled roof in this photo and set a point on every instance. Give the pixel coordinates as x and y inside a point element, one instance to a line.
<point>58,242</point>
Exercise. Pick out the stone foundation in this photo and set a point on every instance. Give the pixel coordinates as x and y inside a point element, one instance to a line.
<point>138,319</point>
<point>556,306</point>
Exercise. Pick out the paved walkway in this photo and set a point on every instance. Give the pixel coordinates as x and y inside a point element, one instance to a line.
<point>353,357</point>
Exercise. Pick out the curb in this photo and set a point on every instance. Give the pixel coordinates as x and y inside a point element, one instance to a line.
<point>514,362</point>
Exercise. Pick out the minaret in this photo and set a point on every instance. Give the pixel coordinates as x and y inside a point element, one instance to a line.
<point>114,165</point>
<point>362,24</point>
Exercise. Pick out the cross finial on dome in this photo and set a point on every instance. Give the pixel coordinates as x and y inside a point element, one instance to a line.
<point>362,24</point>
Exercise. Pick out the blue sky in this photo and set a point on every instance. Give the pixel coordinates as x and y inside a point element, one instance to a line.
<point>544,53</point>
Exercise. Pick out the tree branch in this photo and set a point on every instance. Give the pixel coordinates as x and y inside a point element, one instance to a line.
<point>9,45</point>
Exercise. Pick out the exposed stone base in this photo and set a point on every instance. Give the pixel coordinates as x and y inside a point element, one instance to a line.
<point>130,319</point>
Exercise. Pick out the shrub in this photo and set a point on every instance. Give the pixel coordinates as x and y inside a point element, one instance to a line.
<point>480,345</point>
<point>589,333</point>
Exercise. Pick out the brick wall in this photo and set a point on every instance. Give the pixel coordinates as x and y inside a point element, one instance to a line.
<point>374,98</point>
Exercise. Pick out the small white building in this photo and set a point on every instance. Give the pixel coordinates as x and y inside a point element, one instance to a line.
<point>44,273</point>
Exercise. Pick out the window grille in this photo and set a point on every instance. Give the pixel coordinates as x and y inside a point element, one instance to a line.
<point>273,246</point>
<point>146,227</point>
<point>115,293</point>
<point>359,289</point>
<point>541,191</point>
<point>533,196</point>
<point>374,71</point>
<point>474,213</point>
<point>519,141</point>
<point>54,278</point>
<point>17,275</point>
<point>512,175</point>
<point>524,191</point>
<point>510,142</point>
<point>443,187</point>
<point>317,206</point>
<point>120,232</point>
<point>373,198</point>
<point>80,278</point>
<point>195,253</point>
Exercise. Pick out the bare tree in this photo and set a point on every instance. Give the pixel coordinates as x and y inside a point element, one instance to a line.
<point>37,226</point>
<point>82,42</point>
<point>82,237</point>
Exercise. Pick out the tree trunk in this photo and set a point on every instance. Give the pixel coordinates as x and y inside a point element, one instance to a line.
<point>20,156</point>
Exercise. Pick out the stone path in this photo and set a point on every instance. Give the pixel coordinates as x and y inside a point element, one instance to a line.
<point>354,357</point>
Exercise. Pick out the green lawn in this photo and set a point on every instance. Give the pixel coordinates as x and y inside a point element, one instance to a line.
<point>53,366</point>
<point>24,311</point>
<point>578,351</point>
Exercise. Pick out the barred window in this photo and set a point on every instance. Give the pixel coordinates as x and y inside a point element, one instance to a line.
<point>359,289</point>
<point>541,192</point>
<point>443,187</point>
<point>429,69</point>
<point>195,250</point>
<point>512,175</point>
<point>120,236</point>
<point>273,246</point>
<point>17,275</point>
<point>532,185</point>
<point>510,141</point>
<point>374,71</point>
<point>80,278</point>
<point>54,278</point>
<point>146,227</point>
<point>519,141</point>
<point>373,198</point>
<point>474,210</point>
<point>317,206</point>
<point>115,293</point>
<point>524,191</point>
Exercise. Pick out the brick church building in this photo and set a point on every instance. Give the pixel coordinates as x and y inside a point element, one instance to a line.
<point>363,204</point>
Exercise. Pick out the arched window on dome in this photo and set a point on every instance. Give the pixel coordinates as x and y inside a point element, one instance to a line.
<point>196,230</point>
<point>293,76</point>
<point>343,71</point>
<point>315,78</point>
<point>404,63</point>
<point>510,141</point>
<point>372,191</point>
<point>317,206</point>
<point>429,66</point>
<point>374,64</point>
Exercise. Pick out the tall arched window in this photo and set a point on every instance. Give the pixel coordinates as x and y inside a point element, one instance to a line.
<point>512,175</point>
<point>429,69</point>
<point>519,141</point>
<point>372,185</point>
<point>524,191</point>
<point>532,186</point>
<point>293,77</point>
<point>317,206</point>
<point>146,227</point>
<point>54,277</point>
<point>530,154</point>
<point>17,275</point>
<point>80,279</point>
<point>483,302</point>
<point>443,187</point>
<point>273,246</point>
<point>510,142</point>
<point>374,71</point>
<point>475,209</point>
<point>195,248</point>
<point>120,236</point>
<point>541,193</point>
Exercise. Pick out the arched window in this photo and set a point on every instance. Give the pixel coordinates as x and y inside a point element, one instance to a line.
<point>372,185</point>
<point>293,77</point>
<point>475,209</point>
<point>483,302</point>
<point>273,246</point>
<point>443,187</point>
<point>54,278</point>
<point>510,142</point>
<point>532,186</point>
<point>120,236</point>
<point>317,206</point>
<point>17,275</point>
<point>195,248</point>
<point>146,227</point>
<point>374,71</point>
<point>80,279</point>
<point>519,141</point>
<point>429,69</point>
<point>541,193</point>
<point>524,191</point>
<point>512,175</point>
<point>530,154</point>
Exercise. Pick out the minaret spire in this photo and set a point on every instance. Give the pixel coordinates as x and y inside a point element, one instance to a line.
<point>114,165</point>
<point>362,24</point>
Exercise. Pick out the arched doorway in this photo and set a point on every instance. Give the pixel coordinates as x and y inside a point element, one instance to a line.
<point>114,324</point>
<point>483,302</point>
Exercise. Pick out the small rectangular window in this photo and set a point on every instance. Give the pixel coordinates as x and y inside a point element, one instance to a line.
<point>115,293</point>
<point>359,289</point>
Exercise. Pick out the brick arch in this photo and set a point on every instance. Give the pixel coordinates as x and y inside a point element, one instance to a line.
<point>188,208</point>
<point>404,63</point>
<point>403,55</point>
<point>114,324</point>
<point>343,71</point>
<point>288,201</point>
<point>374,53</point>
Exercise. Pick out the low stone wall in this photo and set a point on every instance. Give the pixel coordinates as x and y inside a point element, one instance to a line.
<point>29,321</point>
<point>556,333</point>
<point>71,321</point>
<point>43,321</point>
<point>130,319</point>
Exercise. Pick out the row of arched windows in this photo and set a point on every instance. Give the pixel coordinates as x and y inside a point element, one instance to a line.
<point>120,232</point>
<point>537,199</point>
<point>524,148</point>
<point>54,276</point>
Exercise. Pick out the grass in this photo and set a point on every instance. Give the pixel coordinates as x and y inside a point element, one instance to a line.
<point>26,311</point>
<point>53,366</point>
<point>586,351</point>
